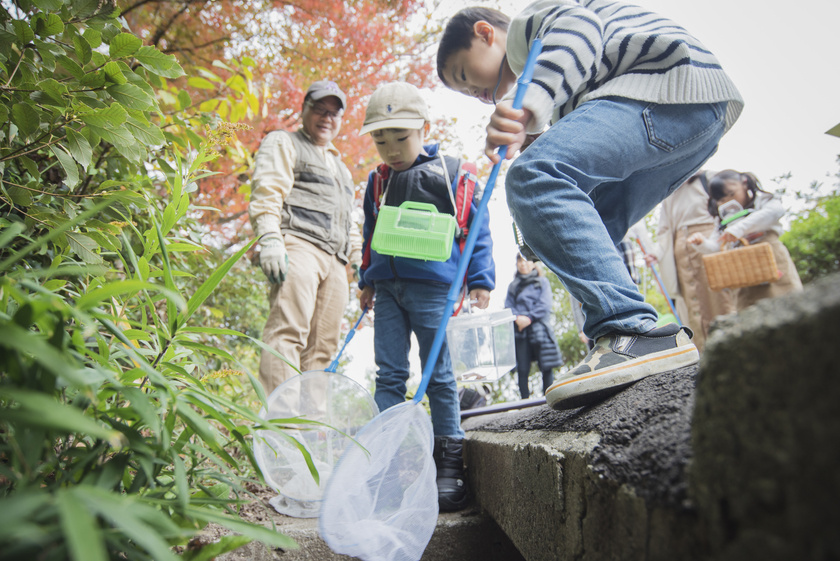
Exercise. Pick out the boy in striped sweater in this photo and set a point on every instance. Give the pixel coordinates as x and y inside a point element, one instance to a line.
<point>625,105</point>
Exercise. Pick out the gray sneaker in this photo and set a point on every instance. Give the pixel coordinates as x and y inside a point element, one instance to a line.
<point>621,359</point>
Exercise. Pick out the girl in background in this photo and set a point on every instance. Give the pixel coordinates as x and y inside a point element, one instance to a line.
<point>732,193</point>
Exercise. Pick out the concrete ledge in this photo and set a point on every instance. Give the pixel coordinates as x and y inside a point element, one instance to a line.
<point>749,471</point>
<point>604,482</point>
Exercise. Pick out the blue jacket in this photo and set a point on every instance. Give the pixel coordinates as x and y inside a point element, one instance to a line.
<point>422,184</point>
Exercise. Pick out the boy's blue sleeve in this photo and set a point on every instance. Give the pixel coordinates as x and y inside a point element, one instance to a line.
<point>368,206</point>
<point>481,272</point>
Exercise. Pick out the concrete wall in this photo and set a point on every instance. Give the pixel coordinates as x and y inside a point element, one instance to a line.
<point>743,466</point>
<point>766,430</point>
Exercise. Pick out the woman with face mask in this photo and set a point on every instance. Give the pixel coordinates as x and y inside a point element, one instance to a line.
<point>529,299</point>
<point>746,211</point>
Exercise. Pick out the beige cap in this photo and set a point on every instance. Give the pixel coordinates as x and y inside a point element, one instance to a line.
<point>325,88</point>
<point>395,105</point>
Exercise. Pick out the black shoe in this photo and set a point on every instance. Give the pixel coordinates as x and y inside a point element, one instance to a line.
<point>619,360</point>
<point>451,479</point>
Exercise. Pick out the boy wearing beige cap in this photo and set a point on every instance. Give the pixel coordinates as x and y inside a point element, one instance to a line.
<point>411,293</point>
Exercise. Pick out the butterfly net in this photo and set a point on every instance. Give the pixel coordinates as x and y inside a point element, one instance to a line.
<point>339,405</point>
<point>381,503</point>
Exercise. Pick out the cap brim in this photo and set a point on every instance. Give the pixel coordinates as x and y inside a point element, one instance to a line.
<point>322,95</point>
<point>393,124</point>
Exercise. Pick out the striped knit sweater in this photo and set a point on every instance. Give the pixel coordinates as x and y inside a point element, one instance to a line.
<point>599,48</point>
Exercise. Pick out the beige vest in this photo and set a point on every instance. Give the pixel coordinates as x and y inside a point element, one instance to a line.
<point>318,207</point>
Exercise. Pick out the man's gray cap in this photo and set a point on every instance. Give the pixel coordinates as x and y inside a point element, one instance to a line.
<point>325,88</point>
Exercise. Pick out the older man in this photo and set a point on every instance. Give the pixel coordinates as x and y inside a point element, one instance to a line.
<point>300,209</point>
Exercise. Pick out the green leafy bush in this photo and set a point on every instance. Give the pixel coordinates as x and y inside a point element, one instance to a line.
<point>813,239</point>
<point>115,439</point>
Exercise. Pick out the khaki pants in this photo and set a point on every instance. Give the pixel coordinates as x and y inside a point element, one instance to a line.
<point>702,304</point>
<point>304,319</point>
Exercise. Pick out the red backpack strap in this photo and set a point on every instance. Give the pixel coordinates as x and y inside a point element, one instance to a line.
<point>380,176</point>
<point>466,182</point>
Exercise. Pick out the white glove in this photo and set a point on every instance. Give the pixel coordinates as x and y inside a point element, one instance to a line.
<point>273,258</point>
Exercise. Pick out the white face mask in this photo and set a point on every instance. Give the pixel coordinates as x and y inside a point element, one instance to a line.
<point>729,208</point>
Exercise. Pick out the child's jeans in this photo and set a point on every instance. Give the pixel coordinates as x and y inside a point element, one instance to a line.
<point>403,306</point>
<point>579,187</point>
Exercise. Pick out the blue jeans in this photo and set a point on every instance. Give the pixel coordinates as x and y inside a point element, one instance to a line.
<point>403,306</point>
<point>579,187</point>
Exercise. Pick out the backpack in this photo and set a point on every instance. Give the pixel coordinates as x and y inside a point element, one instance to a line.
<point>465,190</point>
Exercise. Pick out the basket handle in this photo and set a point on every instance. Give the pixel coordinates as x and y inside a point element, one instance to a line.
<point>743,241</point>
<point>415,205</point>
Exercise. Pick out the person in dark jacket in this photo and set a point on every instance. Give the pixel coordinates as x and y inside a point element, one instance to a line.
<point>529,298</point>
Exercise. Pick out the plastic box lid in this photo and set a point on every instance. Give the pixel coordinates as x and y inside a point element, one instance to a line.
<point>414,230</point>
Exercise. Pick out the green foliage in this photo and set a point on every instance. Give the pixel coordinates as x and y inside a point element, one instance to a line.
<point>813,239</point>
<point>125,421</point>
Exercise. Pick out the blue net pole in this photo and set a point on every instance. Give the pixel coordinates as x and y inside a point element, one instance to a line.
<point>334,364</point>
<point>455,290</point>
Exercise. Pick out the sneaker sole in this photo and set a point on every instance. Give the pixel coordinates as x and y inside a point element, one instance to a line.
<point>591,387</point>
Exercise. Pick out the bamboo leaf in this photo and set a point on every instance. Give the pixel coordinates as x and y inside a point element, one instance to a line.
<point>10,232</point>
<point>183,491</point>
<point>133,519</point>
<point>274,352</point>
<point>105,292</point>
<point>208,286</point>
<point>197,423</point>
<point>40,410</point>
<point>81,532</point>
<point>211,330</point>
<point>184,246</point>
<point>207,349</point>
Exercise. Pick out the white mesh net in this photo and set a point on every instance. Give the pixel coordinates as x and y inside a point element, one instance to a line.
<point>332,399</point>
<point>381,503</point>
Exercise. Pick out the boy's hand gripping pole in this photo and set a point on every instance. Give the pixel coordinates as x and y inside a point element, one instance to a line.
<point>455,290</point>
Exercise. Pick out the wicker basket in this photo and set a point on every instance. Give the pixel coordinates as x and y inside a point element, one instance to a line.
<point>743,266</point>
